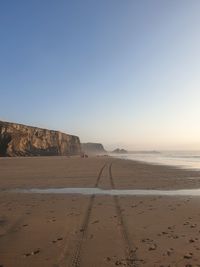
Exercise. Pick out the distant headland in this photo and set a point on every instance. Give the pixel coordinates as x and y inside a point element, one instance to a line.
<point>119,151</point>
<point>93,148</point>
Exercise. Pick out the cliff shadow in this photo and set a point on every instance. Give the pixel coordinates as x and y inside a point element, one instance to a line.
<point>4,141</point>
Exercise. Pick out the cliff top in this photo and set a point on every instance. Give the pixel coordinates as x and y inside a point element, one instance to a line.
<point>13,124</point>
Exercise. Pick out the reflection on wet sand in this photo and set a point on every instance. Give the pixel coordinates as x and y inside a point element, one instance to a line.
<point>111,192</point>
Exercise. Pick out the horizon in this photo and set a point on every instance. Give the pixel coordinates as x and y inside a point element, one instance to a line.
<point>124,74</point>
<point>110,148</point>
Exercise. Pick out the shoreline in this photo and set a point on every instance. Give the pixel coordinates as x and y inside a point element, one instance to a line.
<point>162,161</point>
<point>182,167</point>
<point>63,172</point>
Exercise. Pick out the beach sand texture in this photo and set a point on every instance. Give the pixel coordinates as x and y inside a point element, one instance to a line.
<point>92,231</point>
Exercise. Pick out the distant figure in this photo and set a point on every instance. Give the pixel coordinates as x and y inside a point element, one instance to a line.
<point>83,155</point>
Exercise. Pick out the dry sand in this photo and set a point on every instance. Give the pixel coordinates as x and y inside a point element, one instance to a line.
<point>94,231</point>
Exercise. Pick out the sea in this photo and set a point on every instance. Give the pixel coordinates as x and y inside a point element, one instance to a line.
<point>180,159</point>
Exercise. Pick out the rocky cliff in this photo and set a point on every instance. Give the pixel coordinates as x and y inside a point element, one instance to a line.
<point>93,148</point>
<point>22,140</point>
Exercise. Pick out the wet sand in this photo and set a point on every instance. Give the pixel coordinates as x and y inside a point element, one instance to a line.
<point>94,230</point>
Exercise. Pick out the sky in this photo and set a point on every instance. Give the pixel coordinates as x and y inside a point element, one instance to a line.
<point>124,73</point>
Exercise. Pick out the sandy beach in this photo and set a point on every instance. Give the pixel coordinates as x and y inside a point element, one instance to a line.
<point>96,230</point>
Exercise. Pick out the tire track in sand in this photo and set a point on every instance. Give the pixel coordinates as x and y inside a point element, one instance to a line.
<point>83,231</point>
<point>130,253</point>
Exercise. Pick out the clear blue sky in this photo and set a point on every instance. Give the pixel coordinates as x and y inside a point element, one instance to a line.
<point>121,72</point>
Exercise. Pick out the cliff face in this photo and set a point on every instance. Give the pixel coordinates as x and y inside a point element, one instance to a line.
<point>93,148</point>
<point>22,140</point>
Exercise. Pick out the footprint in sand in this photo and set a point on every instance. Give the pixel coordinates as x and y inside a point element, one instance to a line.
<point>97,221</point>
<point>152,247</point>
<point>168,252</point>
<point>188,255</point>
<point>134,206</point>
<point>34,252</point>
<point>58,239</point>
<point>164,233</point>
<point>108,259</point>
<point>175,236</point>
<point>53,219</point>
<point>121,262</point>
<point>27,254</point>
<point>141,212</point>
<point>171,227</point>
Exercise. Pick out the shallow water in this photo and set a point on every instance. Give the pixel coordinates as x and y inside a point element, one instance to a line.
<point>181,159</point>
<point>112,192</point>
